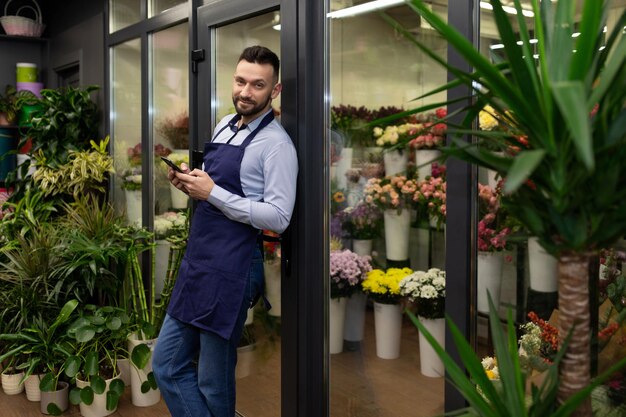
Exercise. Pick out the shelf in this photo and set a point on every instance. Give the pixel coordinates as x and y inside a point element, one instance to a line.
<point>30,39</point>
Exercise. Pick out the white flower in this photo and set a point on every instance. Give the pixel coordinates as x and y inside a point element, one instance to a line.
<point>133,178</point>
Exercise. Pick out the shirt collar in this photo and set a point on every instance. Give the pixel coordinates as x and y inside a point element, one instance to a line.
<point>250,126</point>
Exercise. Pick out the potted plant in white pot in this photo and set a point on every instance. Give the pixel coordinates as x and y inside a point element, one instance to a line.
<point>566,181</point>
<point>99,335</point>
<point>46,343</point>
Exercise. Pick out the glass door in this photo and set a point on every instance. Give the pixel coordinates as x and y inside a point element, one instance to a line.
<point>223,33</point>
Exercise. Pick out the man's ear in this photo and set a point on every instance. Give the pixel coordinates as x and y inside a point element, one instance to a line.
<point>276,90</point>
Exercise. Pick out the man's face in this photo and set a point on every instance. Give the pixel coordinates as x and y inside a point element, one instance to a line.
<point>254,88</point>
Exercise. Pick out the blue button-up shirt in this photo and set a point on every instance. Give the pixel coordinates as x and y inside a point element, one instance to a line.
<point>269,171</point>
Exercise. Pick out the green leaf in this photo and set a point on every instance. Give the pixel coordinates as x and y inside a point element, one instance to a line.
<point>86,395</point>
<point>570,98</point>
<point>114,323</point>
<point>54,409</point>
<point>113,399</point>
<point>48,383</point>
<point>117,385</point>
<point>140,355</point>
<point>85,334</point>
<point>152,380</point>
<point>98,384</point>
<point>145,387</point>
<point>91,363</point>
<point>523,166</point>
<point>65,314</point>
<point>72,366</point>
<point>75,395</point>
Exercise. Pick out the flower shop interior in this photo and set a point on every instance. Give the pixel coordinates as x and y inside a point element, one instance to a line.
<point>422,194</point>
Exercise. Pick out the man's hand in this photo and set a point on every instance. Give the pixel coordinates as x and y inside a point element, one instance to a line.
<point>197,183</point>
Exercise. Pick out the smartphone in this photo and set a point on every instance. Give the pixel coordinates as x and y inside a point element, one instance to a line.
<point>171,164</point>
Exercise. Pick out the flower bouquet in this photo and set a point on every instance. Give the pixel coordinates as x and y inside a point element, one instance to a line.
<point>493,229</point>
<point>432,133</point>
<point>363,221</point>
<point>394,139</point>
<point>349,122</point>
<point>175,129</point>
<point>131,179</point>
<point>384,286</point>
<point>347,272</point>
<point>430,197</point>
<point>169,224</point>
<point>428,290</point>
<point>391,192</point>
<point>394,196</point>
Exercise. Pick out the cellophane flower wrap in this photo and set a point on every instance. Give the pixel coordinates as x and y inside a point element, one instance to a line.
<point>363,221</point>
<point>347,272</point>
<point>391,192</point>
<point>384,286</point>
<point>427,289</point>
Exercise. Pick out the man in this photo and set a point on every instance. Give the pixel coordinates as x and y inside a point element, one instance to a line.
<point>248,184</point>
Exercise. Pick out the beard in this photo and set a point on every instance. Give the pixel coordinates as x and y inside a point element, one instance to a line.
<point>255,109</point>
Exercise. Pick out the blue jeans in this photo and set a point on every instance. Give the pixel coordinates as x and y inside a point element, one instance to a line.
<point>205,388</point>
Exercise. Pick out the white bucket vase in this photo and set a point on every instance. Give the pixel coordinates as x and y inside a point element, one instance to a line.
<point>123,368</point>
<point>489,278</point>
<point>162,252</point>
<point>430,363</point>
<point>31,386</point>
<point>419,248</point>
<point>138,376</point>
<point>343,165</point>
<point>354,324</point>
<point>397,228</point>
<point>179,198</point>
<point>362,247</point>
<point>492,178</point>
<point>395,162</point>
<point>245,361</point>
<point>272,285</point>
<point>59,398</point>
<point>336,317</point>
<point>388,330</point>
<point>98,408</point>
<point>542,268</point>
<point>133,206</point>
<point>424,162</point>
<point>11,384</point>
<point>372,153</point>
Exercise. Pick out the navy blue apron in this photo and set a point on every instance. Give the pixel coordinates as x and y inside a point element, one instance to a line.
<point>212,278</point>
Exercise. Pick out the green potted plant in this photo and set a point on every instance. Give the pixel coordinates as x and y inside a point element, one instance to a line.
<point>509,391</point>
<point>8,106</point>
<point>86,171</point>
<point>565,181</point>
<point>99,335</point>
<point>45,344</point>
<point>67,120</point>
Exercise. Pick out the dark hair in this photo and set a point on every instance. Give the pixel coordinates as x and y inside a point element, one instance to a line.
<point>261,55</point>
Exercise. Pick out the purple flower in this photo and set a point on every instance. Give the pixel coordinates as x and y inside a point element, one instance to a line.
<point>347,270</point>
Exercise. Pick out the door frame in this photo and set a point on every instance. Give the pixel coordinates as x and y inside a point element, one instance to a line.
<point>305,249</point>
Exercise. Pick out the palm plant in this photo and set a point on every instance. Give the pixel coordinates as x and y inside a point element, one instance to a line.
<point>565,180</point>
<point>513,394</point>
